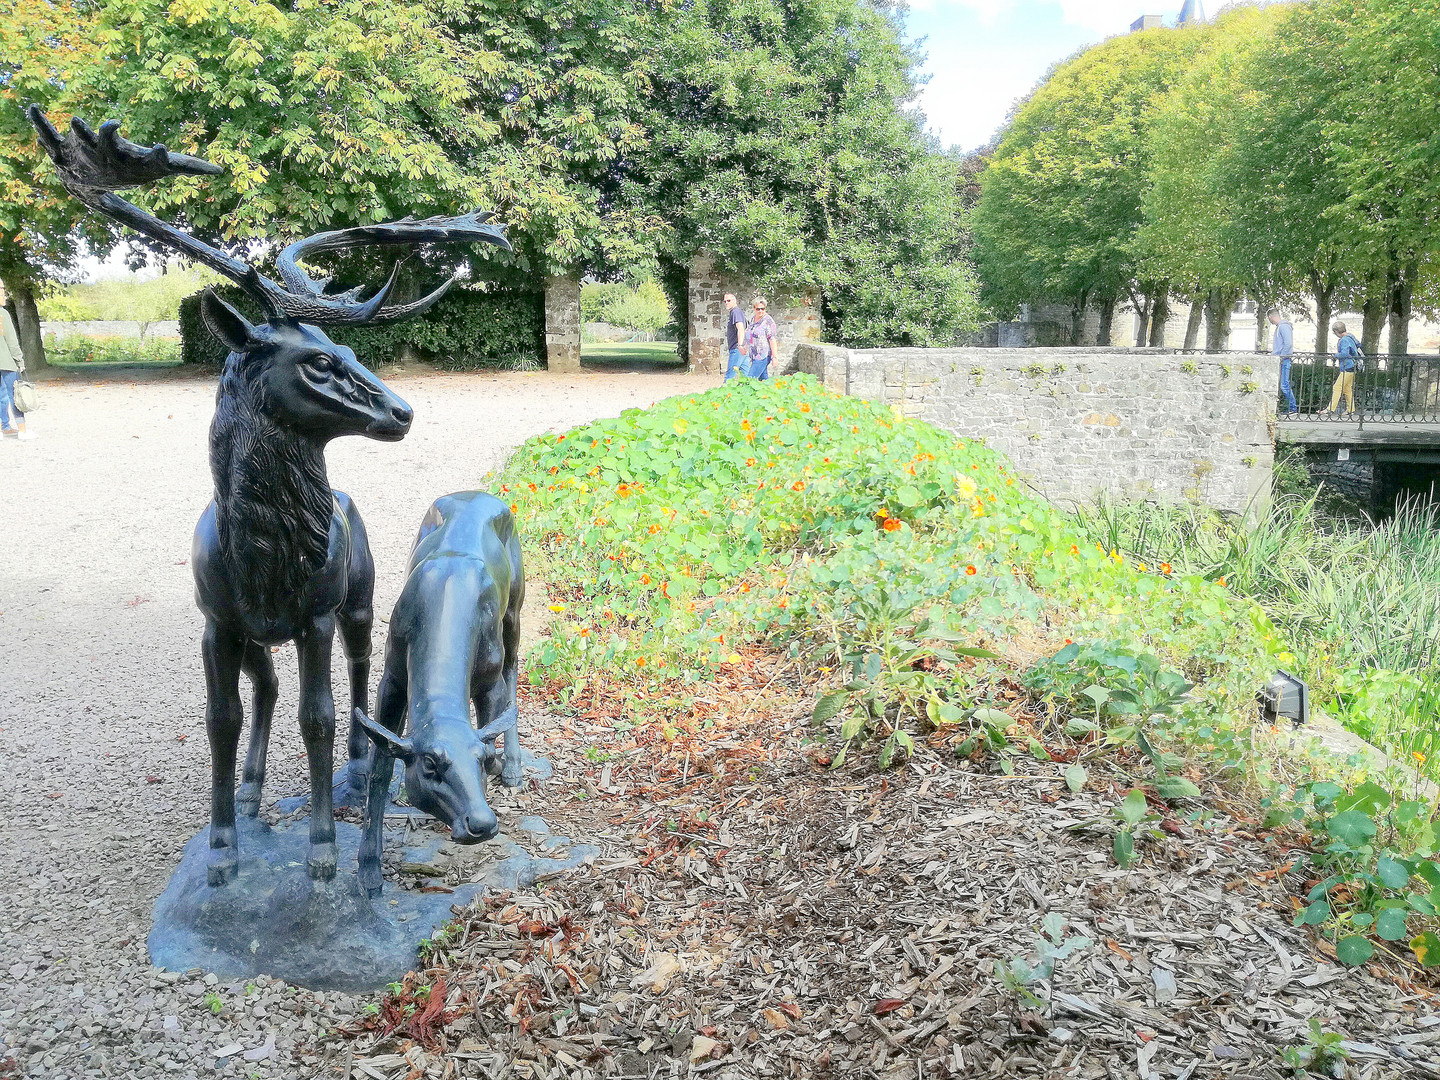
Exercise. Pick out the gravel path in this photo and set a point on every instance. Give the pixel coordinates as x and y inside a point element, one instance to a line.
<point>103,762</point>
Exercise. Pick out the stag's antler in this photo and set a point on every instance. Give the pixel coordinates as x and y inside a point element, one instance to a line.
<point>94,165</point>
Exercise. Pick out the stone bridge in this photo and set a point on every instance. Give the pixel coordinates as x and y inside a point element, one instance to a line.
<point>1085,422</point>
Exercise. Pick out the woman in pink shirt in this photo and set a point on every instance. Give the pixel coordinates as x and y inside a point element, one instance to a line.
<point>761,336</point>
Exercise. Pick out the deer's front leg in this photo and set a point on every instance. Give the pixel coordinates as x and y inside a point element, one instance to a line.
<point>390,711</point>
<point>222,651</point>
<point>317,728</point>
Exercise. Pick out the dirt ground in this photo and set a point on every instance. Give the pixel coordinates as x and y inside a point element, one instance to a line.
<point>103,760</point>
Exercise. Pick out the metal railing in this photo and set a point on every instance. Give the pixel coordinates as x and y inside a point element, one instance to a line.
<point>1381,390</point>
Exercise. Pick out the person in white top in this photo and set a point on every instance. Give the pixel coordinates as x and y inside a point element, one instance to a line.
<point>12,362</point>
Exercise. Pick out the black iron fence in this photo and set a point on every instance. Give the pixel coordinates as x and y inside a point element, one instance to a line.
<point>1379,390</point>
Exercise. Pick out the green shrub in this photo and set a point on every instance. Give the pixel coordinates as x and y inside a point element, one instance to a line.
<point>111,350</point>
<point>469,329</point>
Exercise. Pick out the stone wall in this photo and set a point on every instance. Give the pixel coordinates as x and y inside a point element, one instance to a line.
<point>1082,422</point>
<point>168,329</point>
<point>562,323</point>
<point>796,314</point>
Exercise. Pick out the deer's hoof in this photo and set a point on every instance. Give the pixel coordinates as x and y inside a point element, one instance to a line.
<point>512,775</point>
<point>222,867</point>
<point>247,800</point>
<point>320,864</point>
<point>371,881</point>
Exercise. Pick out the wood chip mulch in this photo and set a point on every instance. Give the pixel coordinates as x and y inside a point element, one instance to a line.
<point>754,914</point>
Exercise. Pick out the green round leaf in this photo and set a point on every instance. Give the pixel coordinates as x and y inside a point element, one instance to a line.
<point>1390,924</point>
<point>1393,873</point>
<point>1354,950</point>
<point>1351,827</point>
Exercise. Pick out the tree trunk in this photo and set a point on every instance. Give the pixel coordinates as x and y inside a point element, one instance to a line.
<point>1192,325</point>
<point>1262,327</point>
<point>1324,295</point>
<point>1077,318</point>
<point>1143,304</point>
<point>27,323</point>
<point>1160,315</point>
<point>1374,322</point>
<point>1107,318</point>
<point>1218,303</point>
<point>1402,292</point>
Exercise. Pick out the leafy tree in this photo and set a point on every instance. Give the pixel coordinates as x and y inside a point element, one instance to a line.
<point>1060,203</point>
<point>1386,63</point>
<point>43,45</point>
<point>780,141</point>
<point>1197,217</point>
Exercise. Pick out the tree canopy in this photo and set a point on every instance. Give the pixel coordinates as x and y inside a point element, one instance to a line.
<point>608,134</point>
<point>1285,150</point>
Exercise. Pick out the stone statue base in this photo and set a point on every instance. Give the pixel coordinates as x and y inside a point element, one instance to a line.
<point>272,919</point>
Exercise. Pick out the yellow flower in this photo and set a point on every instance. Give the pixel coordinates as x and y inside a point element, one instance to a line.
<point>1419,757</point>
<point>733,658</point>
<point>557,608</point>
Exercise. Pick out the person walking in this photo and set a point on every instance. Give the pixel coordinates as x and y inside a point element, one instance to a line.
<point>1284,348</point>
<point>734,335</point>
<point>761,339</point>
<point>12,361</point>
<point>1347,358</point>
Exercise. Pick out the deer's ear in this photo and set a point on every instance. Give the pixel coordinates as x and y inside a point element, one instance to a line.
<point>228,325</point>
<point>396,744</point>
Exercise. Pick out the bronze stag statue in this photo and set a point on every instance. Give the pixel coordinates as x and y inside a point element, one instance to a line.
<point>278,555</point>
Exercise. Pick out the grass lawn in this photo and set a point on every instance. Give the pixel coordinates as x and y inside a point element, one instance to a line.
<point>643,354</point>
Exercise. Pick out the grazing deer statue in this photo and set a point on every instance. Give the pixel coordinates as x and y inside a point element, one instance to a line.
<point>278,556</point>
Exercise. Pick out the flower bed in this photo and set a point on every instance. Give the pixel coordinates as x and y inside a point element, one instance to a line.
<point>930,596</point>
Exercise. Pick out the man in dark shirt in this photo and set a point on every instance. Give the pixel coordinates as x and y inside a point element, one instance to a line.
<point>734,332</point>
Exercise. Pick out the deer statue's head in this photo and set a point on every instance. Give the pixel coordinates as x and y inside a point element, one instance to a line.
<point>285,367</point>
<point>302,380</point>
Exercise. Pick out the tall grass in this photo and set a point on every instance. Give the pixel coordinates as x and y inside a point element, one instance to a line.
<point>1359,600</point>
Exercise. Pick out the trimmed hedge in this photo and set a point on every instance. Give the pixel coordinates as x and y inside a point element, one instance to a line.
<point>468,330</point>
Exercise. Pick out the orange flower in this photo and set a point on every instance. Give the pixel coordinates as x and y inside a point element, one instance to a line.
<point>784,602</point>
<point>533,488</point>
<point>1074,550</point>
<point>826,460</point>
<point>744,586</point>
<point>654,529</point>
<point>798,485</point>
<point>515,508</point>
<point>745,425</point>
<point>1164,568</point>
<point>805,406</point>
<point>560,439</point>
<point>750,461</point>
<point>639,661</point>
<point>554,469</point>
<point>1222,581</point>
<point>1069,641</point>
<point>644,579</point>
<point>892,524</point>
<point>665,589</point>
<point>970,570</point>
<point>504,487</point>
<point>584,631</point>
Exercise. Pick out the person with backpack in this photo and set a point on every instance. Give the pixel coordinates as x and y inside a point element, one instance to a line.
<point>1347,360</point>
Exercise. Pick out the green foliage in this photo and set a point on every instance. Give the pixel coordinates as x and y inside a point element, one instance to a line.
<point>214,1002</point>
<point>1060,203</point>
<point>1376,855</point>
<point>1358,601</point>
<point>112,350</point>
<point>469,329</point>
<point>127,300</point>
<point>1321,1053</point>
<point>875,549</point>
<point>1020,976</point>
<point>639,305</point>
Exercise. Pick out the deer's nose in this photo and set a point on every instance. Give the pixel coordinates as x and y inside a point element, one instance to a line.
<point>401,414</point>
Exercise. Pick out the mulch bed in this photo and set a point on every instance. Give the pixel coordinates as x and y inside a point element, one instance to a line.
<point>756,914</point>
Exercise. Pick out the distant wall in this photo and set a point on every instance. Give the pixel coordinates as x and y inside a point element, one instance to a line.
<point>170,328</point>
<point>1082,422</point>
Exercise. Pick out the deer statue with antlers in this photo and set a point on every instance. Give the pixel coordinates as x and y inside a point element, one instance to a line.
<point>278,555</point>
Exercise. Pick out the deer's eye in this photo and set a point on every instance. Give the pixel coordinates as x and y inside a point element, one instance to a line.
<point>433,767</point>
<point>317,364</point>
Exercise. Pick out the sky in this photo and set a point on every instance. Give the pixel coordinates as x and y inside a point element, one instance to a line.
<point>984,54</point>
